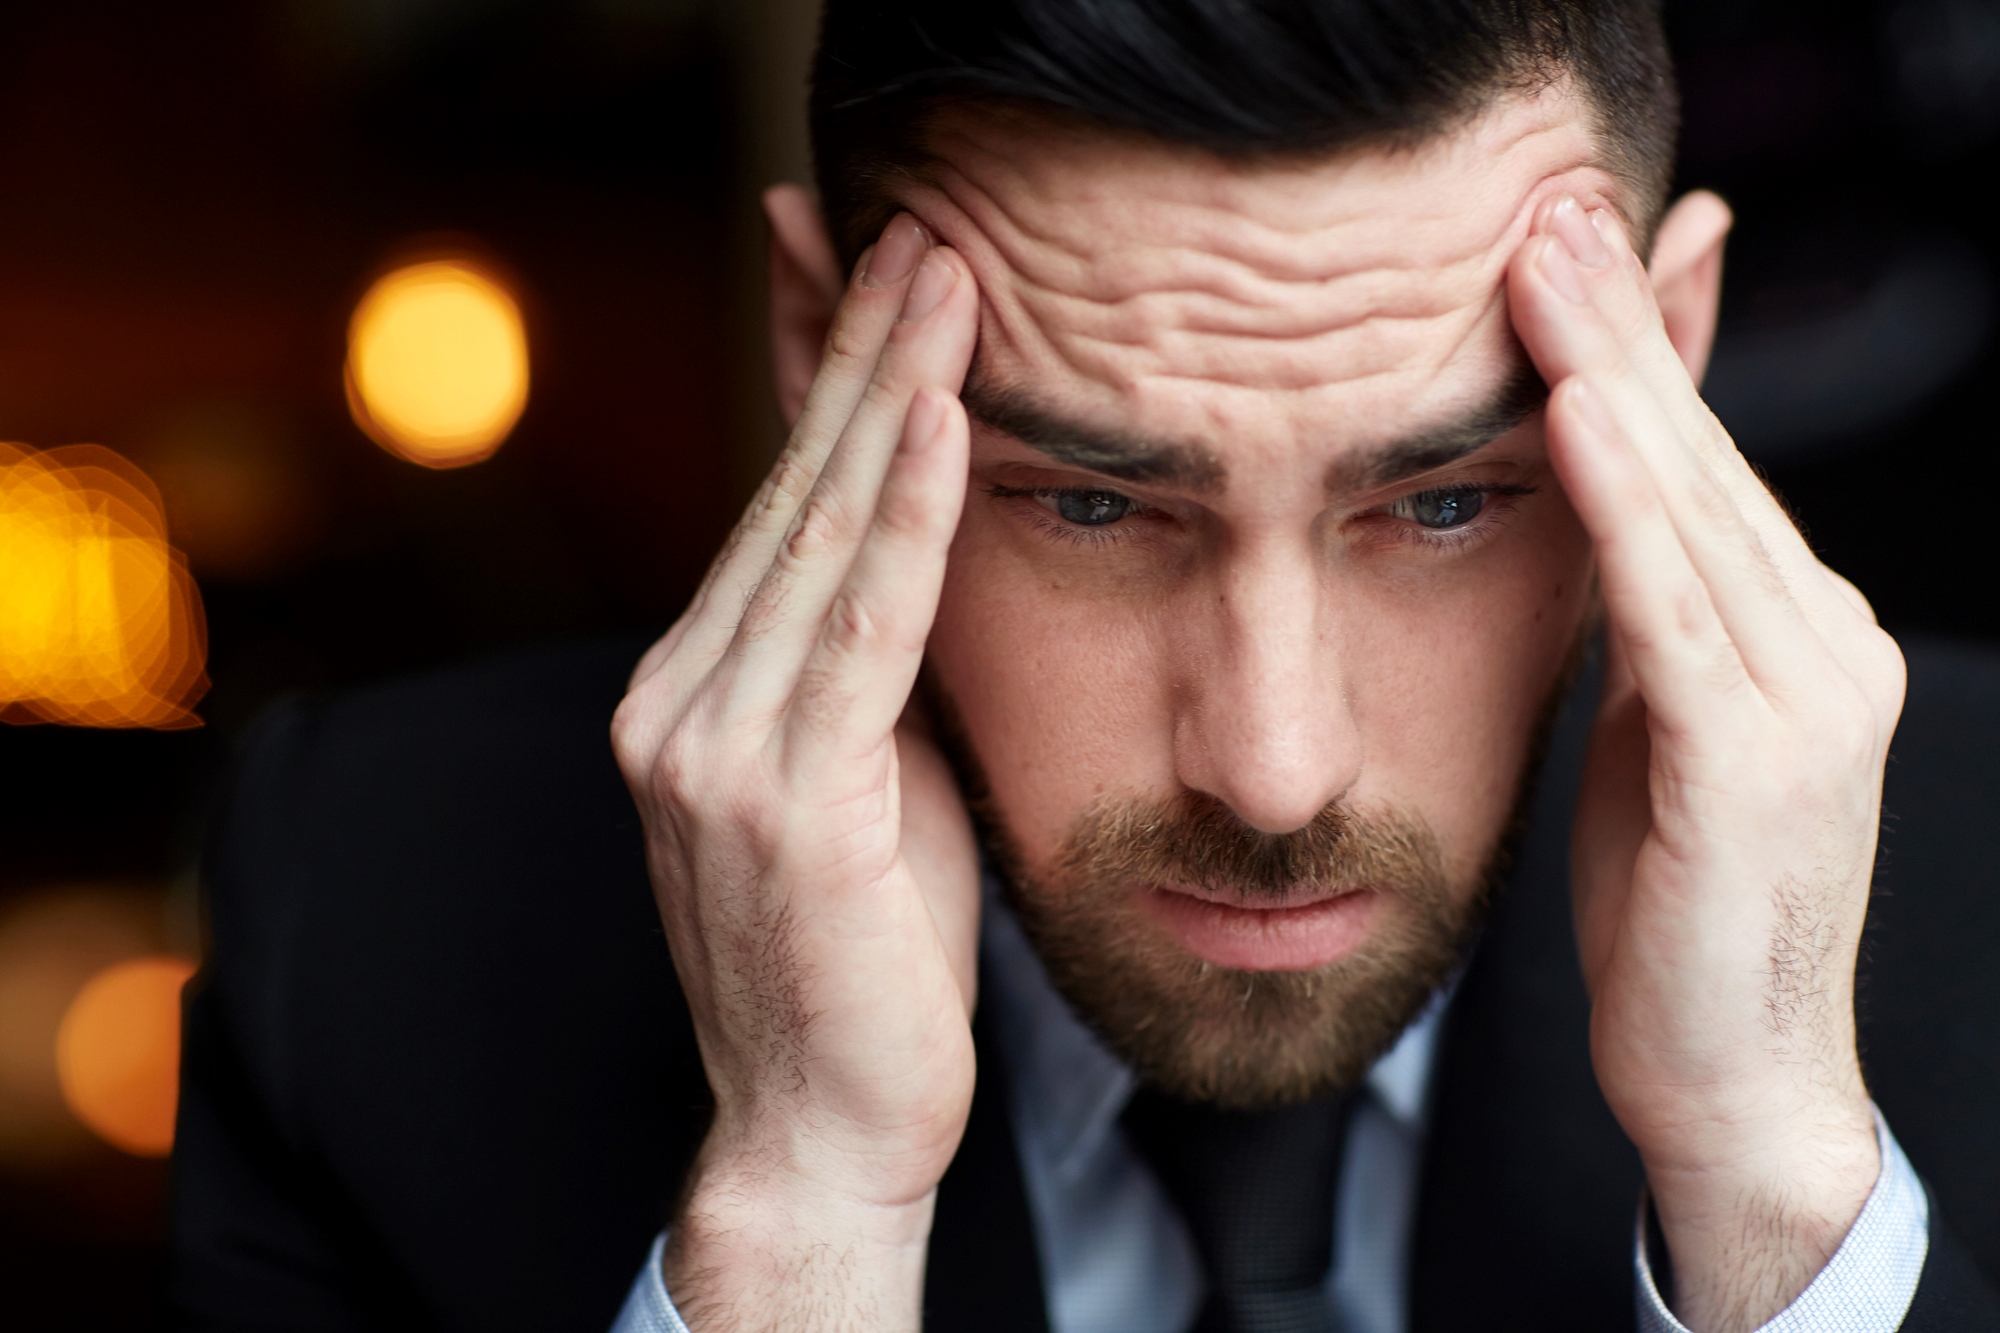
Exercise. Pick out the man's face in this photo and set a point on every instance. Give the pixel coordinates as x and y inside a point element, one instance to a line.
<point>1263,582</point>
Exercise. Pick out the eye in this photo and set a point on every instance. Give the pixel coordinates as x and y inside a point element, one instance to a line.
<point>1441,509</point>
<point>1091,509</point>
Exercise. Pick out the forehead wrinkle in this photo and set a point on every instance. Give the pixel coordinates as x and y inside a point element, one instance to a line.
<point>1230,212</point>
<point>1282,361</point>
<point>1282,343</point>
<point>1357,302</point>
<point>1236,304</point>
<point>1237,326</point>
<point>1201,278</point>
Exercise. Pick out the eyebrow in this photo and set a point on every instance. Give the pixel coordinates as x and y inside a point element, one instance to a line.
<point>1109,453</point>
<point>1520,396</point>
<point>1019,415</point>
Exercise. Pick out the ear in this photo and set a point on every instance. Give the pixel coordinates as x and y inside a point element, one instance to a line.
<point>1687,274</point>
<point>805,289</point>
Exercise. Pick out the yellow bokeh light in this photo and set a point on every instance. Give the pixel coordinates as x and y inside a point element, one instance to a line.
<point>118,1053</point>
<point>100,624</point>
<point>437,363</point>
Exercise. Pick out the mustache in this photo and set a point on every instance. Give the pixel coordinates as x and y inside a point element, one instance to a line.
<point>1196,839</point>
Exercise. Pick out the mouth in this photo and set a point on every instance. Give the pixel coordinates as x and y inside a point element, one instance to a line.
<point>1297,933</point>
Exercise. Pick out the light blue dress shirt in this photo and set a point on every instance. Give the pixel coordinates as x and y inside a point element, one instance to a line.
<point>1116,1258</point>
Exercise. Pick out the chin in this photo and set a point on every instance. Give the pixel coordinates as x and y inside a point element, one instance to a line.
<point>1249,1006</point>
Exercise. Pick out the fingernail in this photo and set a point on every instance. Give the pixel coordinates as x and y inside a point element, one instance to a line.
<point>1562,272</point>
<point>903,243</point>
<point>933,281</point>
<point>1584,244</point>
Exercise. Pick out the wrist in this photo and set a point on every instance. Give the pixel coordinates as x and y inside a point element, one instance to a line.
<point>807,1154</point>
<point>756,1246</point>
<point>1752,1215</point>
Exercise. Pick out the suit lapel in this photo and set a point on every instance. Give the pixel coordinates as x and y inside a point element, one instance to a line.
<point>984,1275</point>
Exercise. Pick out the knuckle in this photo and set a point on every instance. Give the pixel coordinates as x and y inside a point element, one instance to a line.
<point>851,626</point>
<point>789,482</point>
<point>643,718</point>
<point>847,345</point>
<point>699,771</point>
<point>813,534</point>
<point>631,738</point>
<point>676,767</point>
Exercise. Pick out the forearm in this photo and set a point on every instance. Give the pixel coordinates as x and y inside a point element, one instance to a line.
<point>754,1252</point>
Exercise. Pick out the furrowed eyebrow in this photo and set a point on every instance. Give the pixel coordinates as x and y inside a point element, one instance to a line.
<point>1191,467</point>
<point>1108,453</point>
<point>1519,398</point>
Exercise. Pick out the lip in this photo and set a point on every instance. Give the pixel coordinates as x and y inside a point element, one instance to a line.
<point>1293,935</point>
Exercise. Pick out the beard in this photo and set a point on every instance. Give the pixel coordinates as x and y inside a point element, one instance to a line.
<point>1222,1035</point>
<point>1225,1036</point>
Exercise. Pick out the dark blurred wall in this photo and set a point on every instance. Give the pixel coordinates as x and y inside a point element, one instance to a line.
<point>194,196</point>
<point>1859,144</point>
<point>191,199</point>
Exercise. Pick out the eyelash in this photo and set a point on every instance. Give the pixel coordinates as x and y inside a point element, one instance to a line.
<point>1054,527</point>
<point>1437,539</point>
<point>1490,516</point>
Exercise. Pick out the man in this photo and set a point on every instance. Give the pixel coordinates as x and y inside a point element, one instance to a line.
<point>1242,418</point>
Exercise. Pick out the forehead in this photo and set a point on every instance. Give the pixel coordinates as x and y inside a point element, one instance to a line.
<point>1166,293</point>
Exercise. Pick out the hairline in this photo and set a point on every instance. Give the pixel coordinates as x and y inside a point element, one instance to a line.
<point>1639,196</point>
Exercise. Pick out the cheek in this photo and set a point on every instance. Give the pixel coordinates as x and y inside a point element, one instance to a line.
<point>1451,684</point>
<point>1056,681</point>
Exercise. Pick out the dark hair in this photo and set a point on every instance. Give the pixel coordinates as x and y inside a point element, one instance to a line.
<point>1242,78</point>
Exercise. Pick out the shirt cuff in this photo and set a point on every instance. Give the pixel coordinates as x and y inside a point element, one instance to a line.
<point>648,1309</point>
<point>1868,1284</point>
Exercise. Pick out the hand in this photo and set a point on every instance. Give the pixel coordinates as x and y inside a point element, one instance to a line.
<point>1725,840</point>
<point>830,995</point>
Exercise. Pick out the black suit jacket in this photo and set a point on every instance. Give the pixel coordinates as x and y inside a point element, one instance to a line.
<point>438,1073</point>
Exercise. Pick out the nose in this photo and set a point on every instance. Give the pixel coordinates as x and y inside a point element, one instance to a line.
<point>1264,721</point>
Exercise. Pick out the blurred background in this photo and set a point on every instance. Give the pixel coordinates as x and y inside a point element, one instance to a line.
<point>400,330</point>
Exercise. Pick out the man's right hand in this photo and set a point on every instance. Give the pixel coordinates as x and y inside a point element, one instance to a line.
<point>829,994</point>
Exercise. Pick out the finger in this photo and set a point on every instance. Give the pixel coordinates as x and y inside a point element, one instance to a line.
<point>1681,657</point>
<point>857,681</point>
<point>1571,338</point>
<point>930,348</point>
<point>860,331</point>
<point>1618,288</point>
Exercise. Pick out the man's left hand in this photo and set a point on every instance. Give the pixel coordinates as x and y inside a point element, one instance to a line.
<point>1725,840</point>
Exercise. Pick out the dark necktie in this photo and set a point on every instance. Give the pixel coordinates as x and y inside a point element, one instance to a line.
<point>1256,1189</point>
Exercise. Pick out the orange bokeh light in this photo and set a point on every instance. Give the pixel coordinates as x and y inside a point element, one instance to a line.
<point>437,363</point>
<point>118,1053</point>
<point>100,623</point>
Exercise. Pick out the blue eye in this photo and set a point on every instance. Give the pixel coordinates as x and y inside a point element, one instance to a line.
<point>1092,509</point>
<point>1452,508</point>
